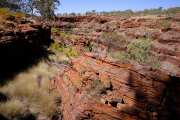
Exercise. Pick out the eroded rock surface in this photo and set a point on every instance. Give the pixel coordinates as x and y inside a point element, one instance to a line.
<point>162,30</point>
<point>100,90</point>
<point>96,87</point>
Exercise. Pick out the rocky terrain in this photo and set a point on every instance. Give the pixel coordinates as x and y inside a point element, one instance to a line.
<point>162,30</point>
<point>24,74</point>
<point>99,85</point>
<point>107,68</point>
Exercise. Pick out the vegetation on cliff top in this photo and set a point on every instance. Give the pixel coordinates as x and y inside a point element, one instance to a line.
<point>45,8</point>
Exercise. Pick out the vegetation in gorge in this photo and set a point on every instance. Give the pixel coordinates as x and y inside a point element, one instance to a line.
<point>31,93</point>
<point>69,51</point>
<point>138,50</point>
<point>104,41</point>
<point>113,39</point>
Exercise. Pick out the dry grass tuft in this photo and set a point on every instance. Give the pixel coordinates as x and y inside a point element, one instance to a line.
<point>12,108</point>
<point>31,91</point>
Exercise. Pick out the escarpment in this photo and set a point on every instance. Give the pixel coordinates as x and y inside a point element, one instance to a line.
<point>94,89</point>
<point>96,86</point>
<point>110,68</point>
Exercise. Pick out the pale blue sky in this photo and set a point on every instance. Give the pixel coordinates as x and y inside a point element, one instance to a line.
<point>81,6</point>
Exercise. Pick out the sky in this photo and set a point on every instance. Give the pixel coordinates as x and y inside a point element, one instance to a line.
<point>82,6</point>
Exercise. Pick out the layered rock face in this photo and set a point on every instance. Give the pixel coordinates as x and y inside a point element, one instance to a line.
<point>162,30</point>
<point>26,37</point>
<point>100,90</point>
<point>96,87</point>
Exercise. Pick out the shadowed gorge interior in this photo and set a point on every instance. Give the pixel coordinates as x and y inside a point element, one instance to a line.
<point>22,51</point>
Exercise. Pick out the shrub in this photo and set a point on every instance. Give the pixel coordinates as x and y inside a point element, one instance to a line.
<point>26,92</point>
<point>154,62</point>
<point>54,30</point>
<point>4,11</point>
<point>110,36</point>
<point>43,103</point>
<point>70,52</point>
<point>56,47</point>
<point>139,50</point>
<point>95,88</point>
<point>113,39</point>
<point>11,108</point>
<point>110,26</point>
<point>165,24</point>
<point>120,55</point>
<point>67,50</point>
<point>64,35</point>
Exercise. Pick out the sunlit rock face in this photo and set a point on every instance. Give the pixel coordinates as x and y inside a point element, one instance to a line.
<point>99,88</point>
<point>162,30</point>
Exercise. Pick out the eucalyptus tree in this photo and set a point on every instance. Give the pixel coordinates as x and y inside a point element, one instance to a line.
<point>46,8</point>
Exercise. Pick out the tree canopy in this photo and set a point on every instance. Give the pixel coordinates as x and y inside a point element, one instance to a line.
<point>9,4</point>
<point>46,8</point>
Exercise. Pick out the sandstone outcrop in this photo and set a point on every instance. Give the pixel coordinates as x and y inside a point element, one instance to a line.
<point>162,30</point>
<point>96,87</point>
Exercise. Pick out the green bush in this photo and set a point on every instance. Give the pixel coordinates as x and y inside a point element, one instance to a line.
<point>120,55</point>
<point>56,47</point>
<point>139,50</point>
<point>68,36</point>
<point>70,52</point>
<point>67,50</point>
<point>54,30</point>
<point>110,36</point>
<point>113,39</point>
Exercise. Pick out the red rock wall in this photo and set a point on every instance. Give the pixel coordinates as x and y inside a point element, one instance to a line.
<point>100,90</point>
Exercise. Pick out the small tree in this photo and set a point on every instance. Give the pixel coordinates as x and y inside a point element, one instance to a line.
<point>139,50</point>
<point>46,7</point>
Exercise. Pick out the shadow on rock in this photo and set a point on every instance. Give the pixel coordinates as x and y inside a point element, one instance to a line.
<point>14,61</point>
